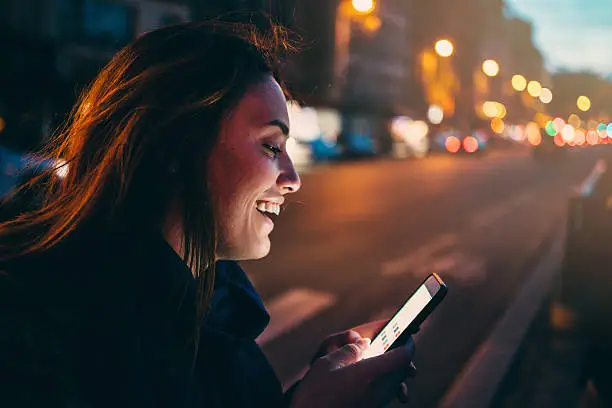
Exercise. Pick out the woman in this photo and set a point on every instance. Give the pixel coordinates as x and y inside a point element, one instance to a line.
<point>176,168</point>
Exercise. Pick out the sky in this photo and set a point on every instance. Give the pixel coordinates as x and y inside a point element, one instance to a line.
<point>575,35</point>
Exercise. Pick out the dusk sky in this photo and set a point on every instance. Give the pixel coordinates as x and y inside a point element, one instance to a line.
<point>571,34</point>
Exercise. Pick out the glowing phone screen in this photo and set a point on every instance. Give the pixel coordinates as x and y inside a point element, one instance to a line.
<point>399,323</point>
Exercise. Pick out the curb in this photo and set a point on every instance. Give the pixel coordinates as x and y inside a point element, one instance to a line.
<point>478,383</point>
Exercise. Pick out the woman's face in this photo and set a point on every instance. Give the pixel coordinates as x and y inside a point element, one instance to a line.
<point>250,172</point>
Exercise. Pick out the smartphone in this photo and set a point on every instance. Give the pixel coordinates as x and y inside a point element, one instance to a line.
<point>409,317</point>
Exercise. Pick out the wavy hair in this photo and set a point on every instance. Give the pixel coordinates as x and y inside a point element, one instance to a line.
<point>141,134</point>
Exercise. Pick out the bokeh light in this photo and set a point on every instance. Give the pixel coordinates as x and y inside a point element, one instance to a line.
<point>608,130</point>
<point>602,130</point>
<point>550,128</point>
<point>2,124</point>
<point>583,103</point>
<point>519,83</point>
<point>592,138</point>
<point>452,144</point>
<point>534,88</point>
<point>568,133</point>
<point>493,109</point>
<point>574,120</point>
<point>497,125</point>
<point>363,6</point>
<point>435,114</point>
<point>470,144</point>
<point>546,95</point>
<point>444,48</point>
<point>490,67</point>
<point>533,133</point>
<point>579,137</point>
<point>558,124</point>
<point>559,140</point>
<point>518,133</point>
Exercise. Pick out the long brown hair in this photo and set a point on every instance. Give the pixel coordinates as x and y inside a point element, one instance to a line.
<point>141,134</point>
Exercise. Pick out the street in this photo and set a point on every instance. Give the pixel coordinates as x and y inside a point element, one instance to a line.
<point>360,237</point>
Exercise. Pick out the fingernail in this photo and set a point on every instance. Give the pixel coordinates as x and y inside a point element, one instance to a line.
<point>367,340</point>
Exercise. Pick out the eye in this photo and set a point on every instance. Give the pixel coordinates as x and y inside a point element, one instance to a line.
<point>274,150</point>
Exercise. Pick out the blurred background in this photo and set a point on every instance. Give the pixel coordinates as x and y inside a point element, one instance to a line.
<point>435,135</point>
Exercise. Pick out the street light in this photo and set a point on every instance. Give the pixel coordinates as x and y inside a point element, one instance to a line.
<point>363,6</point>
<point>583,103</point>
<point>435,114</point>
<point>444,48</point>
<point>534,88</point>
<point>546,95</point>
<point>519,83</point>
<point>490,68</point>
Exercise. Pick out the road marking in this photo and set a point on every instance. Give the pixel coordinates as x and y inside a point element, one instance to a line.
<point>292,308</point>
<point>415,260</point>
<point>490,216</point>
<point>478,382</point>
<point>466,269</point>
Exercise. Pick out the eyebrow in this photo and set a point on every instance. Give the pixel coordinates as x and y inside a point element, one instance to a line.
<point>280,124</point>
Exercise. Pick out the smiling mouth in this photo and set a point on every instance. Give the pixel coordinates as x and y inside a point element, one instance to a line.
<point>268,208</point>
<point>271,216</point>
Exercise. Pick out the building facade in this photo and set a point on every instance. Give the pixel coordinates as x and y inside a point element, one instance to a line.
<point>55,47</point>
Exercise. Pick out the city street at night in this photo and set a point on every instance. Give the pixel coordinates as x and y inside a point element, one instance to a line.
<point>152,217</point>
<point>359,237</point>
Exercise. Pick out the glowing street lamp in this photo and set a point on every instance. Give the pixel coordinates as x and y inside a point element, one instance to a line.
<point>490,68</point>
<point>583,103</point>
<point>546,95</point>
<point>363,6</point>
<point>519,83</point>
<point>534,88</point>
<point>444,48</point>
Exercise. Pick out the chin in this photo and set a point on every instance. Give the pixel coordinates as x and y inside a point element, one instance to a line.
<point>261,251</point>
<point>253,252</point>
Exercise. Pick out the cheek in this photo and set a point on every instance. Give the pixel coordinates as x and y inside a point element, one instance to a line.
<point>237,178</point>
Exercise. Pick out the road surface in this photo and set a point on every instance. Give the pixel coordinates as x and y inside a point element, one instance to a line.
<point>359,237</point>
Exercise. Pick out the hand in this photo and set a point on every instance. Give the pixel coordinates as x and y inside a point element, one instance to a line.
<point>340,379</point>
<point>368,331</point>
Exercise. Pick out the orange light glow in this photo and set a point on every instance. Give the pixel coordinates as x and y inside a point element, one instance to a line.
<point>470,144</point>
<point>490,68</point>
<point>592,138</point>
<point>580,137</point>
<point>559,140</point>
<point>452,144</point>
<point>534,135</point>
<point>498,125</point>
<point>363,6</point>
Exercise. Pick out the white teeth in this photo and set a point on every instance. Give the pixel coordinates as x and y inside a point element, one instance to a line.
<point>269,207</point>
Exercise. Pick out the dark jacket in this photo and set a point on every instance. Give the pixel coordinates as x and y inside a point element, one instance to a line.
<point>107,320</point>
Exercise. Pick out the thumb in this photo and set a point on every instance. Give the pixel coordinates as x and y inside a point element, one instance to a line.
<point>345,355</point>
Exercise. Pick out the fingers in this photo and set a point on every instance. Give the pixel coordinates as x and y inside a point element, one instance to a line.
<point>335,341</point>
<point>370,329</point>
<point>395,361</point>
<point>345,355</point>
<point>341,339</point>
<point>402,393</point>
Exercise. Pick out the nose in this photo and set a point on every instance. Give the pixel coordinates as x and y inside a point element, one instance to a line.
<point>289,180</point>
